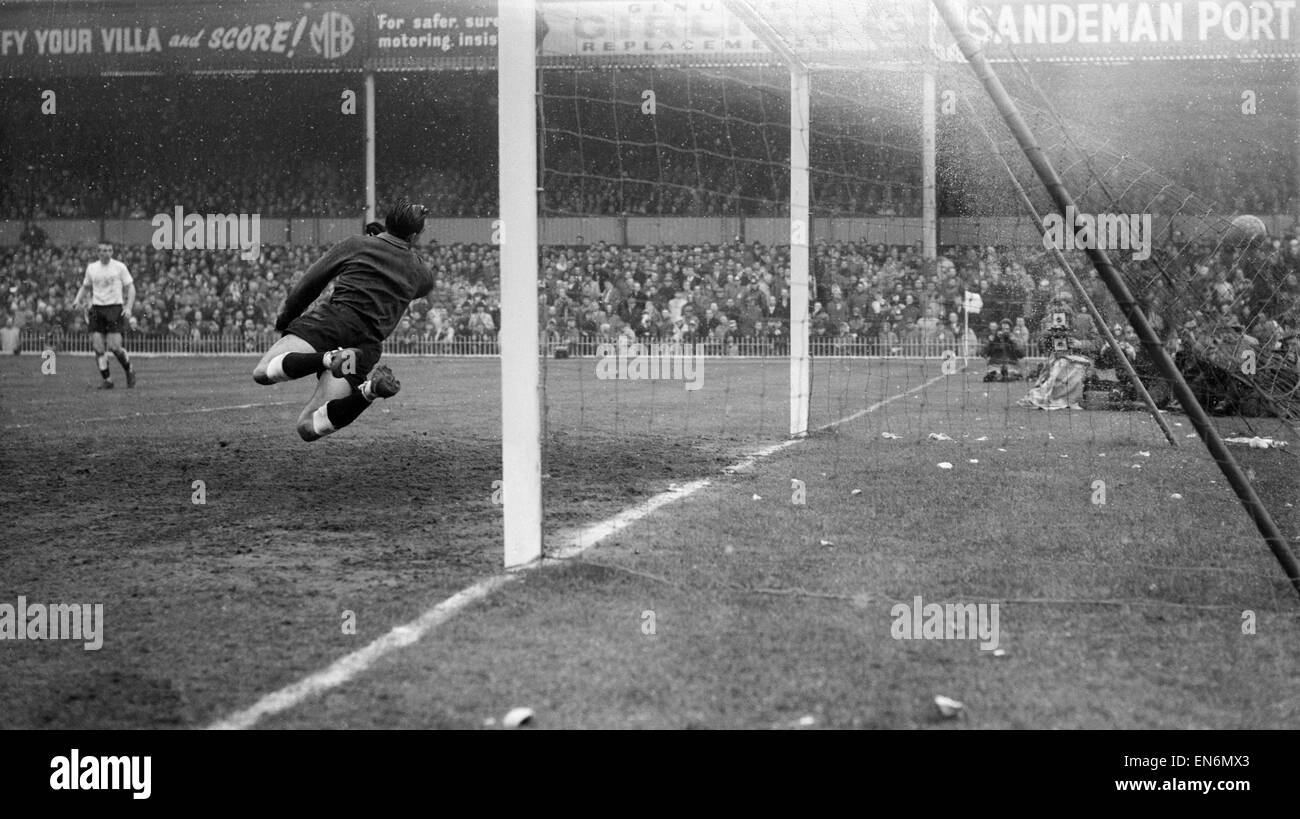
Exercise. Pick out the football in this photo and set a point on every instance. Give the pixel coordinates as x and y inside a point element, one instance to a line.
<point>1244,229</point>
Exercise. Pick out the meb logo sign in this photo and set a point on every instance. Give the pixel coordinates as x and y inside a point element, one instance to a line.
<point>333,35</point>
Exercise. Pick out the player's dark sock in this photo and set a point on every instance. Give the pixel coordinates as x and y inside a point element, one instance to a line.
<point>298,365</point>
<point>288,366</point>
<point>343,411</point>
<point>123,359</point>
<point>101,361</point>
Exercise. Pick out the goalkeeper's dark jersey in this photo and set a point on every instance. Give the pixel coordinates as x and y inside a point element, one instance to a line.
<point>375,278</point>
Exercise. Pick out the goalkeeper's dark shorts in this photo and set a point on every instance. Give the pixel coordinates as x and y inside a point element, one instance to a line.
<point>329,327</point>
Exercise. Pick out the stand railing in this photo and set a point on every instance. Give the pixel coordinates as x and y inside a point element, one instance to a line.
<point>587,346</point>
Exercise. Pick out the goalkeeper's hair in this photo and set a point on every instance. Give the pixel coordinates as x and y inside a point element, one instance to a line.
<point>404,219</point>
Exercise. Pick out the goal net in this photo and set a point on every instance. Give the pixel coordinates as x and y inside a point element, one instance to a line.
<point>954,353</point>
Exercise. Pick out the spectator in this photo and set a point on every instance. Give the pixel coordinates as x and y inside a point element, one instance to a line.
<point>10,344</point>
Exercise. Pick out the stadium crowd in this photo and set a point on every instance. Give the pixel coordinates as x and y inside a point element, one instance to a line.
<point>873,299</point>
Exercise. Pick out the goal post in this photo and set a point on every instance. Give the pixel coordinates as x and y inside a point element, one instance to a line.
<point>516,234</point>
<point>800,251</point>
<point>800,212</point>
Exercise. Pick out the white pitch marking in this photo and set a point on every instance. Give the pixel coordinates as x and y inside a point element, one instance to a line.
<point>345,668</point>
<point>350,665</point>
<point>135,415</point>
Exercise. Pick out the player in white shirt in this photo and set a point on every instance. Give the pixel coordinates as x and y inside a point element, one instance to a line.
<point>111,294</point>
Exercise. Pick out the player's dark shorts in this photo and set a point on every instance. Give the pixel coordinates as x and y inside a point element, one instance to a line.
<point>106,318</point>
<point>328,328</point>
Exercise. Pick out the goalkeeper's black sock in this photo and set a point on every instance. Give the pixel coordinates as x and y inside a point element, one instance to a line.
<point>101,361</point>
<point>298,365</point>
<point>123,359</point>
<point>343,411</point>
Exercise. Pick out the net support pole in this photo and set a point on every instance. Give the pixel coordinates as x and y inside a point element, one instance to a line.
<point>800,251</point>
<point>1062,198</point>
<point>516,234</point>
<point>370,146</point>
<point>929,126</point>
<point>1097,319</point>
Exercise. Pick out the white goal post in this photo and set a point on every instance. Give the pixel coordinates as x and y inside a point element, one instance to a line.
<point>516,234</point>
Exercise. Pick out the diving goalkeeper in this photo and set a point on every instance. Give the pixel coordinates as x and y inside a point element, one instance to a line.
<point>376,277</point>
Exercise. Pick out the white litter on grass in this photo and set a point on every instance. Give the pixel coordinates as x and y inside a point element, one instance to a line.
<point>856,492</point>
<point>1190,435</point>
<point>1137,466</point>
<point>891,436</point>
<point>999,652</point>
<point>974,460</point>
<point>982,437</point>
<point>517,718</point>
<point>805,721</point>
<point>1000,449</point>
<point>938,436</point>
<point>945,465</point>
<point>1255,442</point>
<point>1176,496</point>
<point>948,706</point>
<point>758,497</point>
<point>825,542</point>
<point>1144,454</point>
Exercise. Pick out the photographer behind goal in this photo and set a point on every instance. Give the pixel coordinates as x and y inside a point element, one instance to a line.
<point>1069,348</point>
<point>1003,353</point>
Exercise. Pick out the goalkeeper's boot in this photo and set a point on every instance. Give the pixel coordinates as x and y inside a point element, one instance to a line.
<point>381,383</point>
<point>130,378</point>
<point>341,362</point>
<point>106,384</point>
